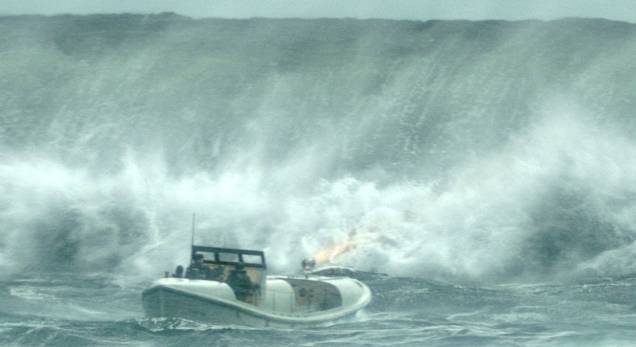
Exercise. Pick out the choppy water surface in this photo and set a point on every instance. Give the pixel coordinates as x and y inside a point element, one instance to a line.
<point>72,310</point>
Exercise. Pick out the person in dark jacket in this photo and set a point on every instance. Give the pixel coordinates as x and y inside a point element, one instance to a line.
<point>178,273</point>
<point>198,269</point>
<point>240,282</point>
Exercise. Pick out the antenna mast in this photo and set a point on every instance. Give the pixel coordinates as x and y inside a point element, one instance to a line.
<point>194,218</point>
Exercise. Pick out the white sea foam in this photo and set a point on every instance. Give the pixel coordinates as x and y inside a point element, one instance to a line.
<point>484,219</point>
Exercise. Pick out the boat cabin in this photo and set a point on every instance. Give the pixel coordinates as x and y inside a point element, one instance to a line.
<point>243,270</point>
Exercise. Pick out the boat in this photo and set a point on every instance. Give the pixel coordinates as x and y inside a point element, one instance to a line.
<point>309,266</point>
<point>345,271</point>
<point>229,286</point>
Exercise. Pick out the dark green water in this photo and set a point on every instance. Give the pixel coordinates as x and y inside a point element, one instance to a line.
<point>72,310</point>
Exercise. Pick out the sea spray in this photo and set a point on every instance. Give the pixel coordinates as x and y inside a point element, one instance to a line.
<point>456,150</point>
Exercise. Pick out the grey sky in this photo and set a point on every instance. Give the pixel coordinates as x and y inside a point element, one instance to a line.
<point>395,9</point>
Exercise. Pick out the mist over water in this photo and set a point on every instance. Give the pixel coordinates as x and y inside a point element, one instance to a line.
<point>470,151</point>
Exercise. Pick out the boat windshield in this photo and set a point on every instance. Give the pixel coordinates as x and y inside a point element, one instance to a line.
<point>230,256</point>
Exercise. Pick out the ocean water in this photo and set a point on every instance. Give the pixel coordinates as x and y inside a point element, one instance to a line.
<point>488,167</point>
<point>66,309</point>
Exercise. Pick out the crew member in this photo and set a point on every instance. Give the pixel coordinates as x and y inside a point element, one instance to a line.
<point>178,272</point>
<point>308,264</point>
<point>240,282</point>
<point>198,268</point>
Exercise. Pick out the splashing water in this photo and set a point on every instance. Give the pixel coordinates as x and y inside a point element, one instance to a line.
<point>436,150</point>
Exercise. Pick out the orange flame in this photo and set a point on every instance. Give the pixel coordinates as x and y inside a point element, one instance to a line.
<point>329,254</point>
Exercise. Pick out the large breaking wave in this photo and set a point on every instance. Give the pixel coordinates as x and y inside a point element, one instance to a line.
<point>465,150</point>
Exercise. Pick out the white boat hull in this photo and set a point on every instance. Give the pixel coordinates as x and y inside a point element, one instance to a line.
<point>214,302</point>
